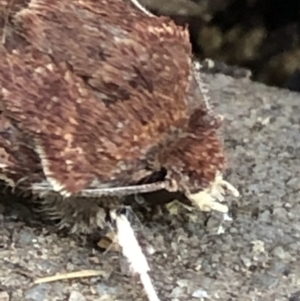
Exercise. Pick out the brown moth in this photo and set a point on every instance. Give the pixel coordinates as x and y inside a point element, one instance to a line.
<point>96,97</point>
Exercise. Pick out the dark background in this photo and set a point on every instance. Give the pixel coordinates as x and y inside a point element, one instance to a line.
<point>262,35</point>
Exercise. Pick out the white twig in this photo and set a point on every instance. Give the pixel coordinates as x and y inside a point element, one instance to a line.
<point>133,252</point>
<point>148,287</point>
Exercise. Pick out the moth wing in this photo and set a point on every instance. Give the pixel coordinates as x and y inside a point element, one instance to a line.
<point>96,88</point>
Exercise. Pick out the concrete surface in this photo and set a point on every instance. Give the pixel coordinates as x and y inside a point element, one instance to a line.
<point>256,258</point>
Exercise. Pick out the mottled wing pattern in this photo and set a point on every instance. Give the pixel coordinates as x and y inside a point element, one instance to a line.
<point>196,158</point>
<point>19,164</point>
<point>95,89</point>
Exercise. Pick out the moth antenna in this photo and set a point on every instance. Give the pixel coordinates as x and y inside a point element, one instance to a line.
<point>202,86</point>
<point>46,188</point>
<point>143,9</point>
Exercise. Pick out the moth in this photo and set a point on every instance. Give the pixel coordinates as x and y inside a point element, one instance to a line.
<point>99,99</point>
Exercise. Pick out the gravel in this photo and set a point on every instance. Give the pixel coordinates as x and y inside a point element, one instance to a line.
<point>256,258</point>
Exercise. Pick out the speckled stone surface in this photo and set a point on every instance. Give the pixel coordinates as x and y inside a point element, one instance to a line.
<point>256,258</point>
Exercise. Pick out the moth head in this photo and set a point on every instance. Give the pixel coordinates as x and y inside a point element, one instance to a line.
<point>196,160</point>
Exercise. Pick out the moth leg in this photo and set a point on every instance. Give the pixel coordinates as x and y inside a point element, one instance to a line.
<point>78,214</point>
<point>212,197</point>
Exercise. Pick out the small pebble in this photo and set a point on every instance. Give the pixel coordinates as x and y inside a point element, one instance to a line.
<point>200,294</point>
<point>294,183</point>
<point>4,296</point>
<point>176,292</point>
<point>280,214</point>
<point>104,289</point>
<point>279,252</point>
<point>25,237</point>
<point>38,292</point>
<point>76,296</point>
<point>183,282</point>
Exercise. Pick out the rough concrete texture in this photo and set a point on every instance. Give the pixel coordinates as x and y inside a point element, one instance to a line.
<point>256,258</point>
